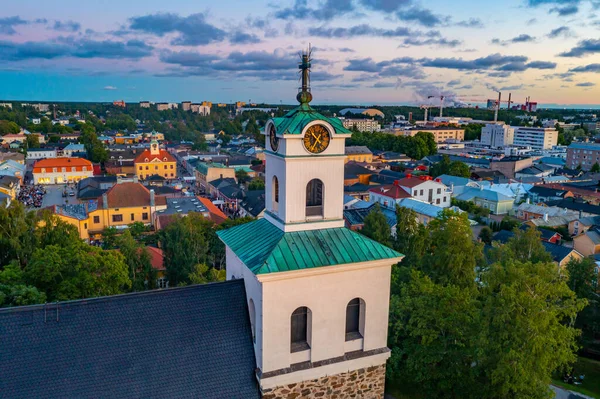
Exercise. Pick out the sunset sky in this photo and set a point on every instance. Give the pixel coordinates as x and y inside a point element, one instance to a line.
<point>365,51</point>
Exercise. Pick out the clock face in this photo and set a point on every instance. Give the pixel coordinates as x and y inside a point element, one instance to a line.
<point>273,139</point>
<point>316,139</point>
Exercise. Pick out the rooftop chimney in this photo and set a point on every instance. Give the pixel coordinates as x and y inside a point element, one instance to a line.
<point>545,217</point>
<point>408,175</point>
<point>151,197</point>
<point>396,182</point>
<point>104,201</point>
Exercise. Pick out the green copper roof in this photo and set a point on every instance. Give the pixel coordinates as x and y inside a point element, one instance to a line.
<point>203,167</point>
<point>294,121</point>
<point>264,248</point>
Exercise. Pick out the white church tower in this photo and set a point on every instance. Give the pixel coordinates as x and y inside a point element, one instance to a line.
<point>318,293</point>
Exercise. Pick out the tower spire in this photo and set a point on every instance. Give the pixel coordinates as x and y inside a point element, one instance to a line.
<point>304,96</point>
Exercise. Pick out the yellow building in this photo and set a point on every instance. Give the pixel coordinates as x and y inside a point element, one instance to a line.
<point>359,153</point>
<point>122,205</point>
<point>155,161</point>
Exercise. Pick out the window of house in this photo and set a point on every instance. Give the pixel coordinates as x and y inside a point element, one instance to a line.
<point>145,216</point>
<point>96,219</point>
<point>43,170</point>
<point>132,216</point>
<point>165,166</point>
<point>141,167</point>
<point>314,198</point>
<point>117,218</point>
<point>85,226</point>
<point>171,166</point>
<point>437,201</point>
<point>54,170</point>
<point>156,168</point>
<point>146,168</point>
<point>64,169</point>
<point>421,192</point>
<point>353,319</point>
<point>439,190</point>
<point>299,329</point>
<point>73,169</point>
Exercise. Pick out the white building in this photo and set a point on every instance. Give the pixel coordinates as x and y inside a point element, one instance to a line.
<point>41,153</point>
<point>311,310</point>
<point>363,125</point>
<point>202,109</point>
<point>7,105</point>
<point>497,135</point>
<point>538,138</point>
<point>73,148</point>
<point>422,188</point>
<point>144,104</point>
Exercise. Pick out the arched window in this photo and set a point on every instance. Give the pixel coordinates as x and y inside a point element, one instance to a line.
<point>314,198</point>
<point>252,312</point>
<point>275,194</point>
<point>355,319</point>
<point>300,326</point>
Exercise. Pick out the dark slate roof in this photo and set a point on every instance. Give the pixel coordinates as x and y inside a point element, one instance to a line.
<point>558,252</point>
<point>357,188</point>
<point>254,202</point>
<point>353,170</point>
<point>189,342</point>
<point>547,192</point>
<point>575,206</point>
<point>545,234</point>
<point>503,236</point>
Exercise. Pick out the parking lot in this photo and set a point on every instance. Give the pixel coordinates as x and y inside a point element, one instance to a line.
<point>54,195</point>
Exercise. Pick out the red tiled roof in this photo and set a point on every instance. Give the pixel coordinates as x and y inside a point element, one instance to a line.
<point>411,182</point>
<point>162,155</point>
<point>216,215</point>
<point>390,190</point>
<point>62,162</point>
<point>124,195</point>
<point>156,258</point>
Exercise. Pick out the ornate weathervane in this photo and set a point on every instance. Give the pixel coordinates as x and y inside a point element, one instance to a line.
<point>304,96</point>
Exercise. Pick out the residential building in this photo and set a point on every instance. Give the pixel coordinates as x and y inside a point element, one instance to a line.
<point>497,135</point>
<point>588,243</point>
<point>38,107</point>
<point>253,204</point>
<point>545,194</point>
<point>529,211</point>
<point>422,188</point>
<point>538,138</point>
<point>359,153</point>
<point>144,104</point>
<point>201,108</point>
<point>73,149</point>
<point>497,203</point>
<point>13,156</point>
<point>561,255</point>
<point>165,106</point>
<point>61,170</point>
<point>121,205</point>
<point>6,105</point>
<point>155,161</point>
<point>354,218</point>
<point>186,105</point>
<point>441,134</point>
<point>41,153</point>
<point>425,211</point>
<point>208,171</point>
<point>119,103</point>
<point>583,155</point>
<point>510,165</point>
<point>363,125</point>
<point>580,225</point>
<point>12,168</point>
<point>356,174</point>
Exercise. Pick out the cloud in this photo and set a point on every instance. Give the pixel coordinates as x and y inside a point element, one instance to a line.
<point>327,10</point>
<point>562,31</point>
<point>515,87</point>
<point>109,88</point>
<point>471,23</point>
<point>586,84</point>
<point>243,38</point>
<point>453,83</point>
<point>192,30</point>
<point>541,65</point>
<point>360,30</point>
<point>522,38</point>
<point>386,6</point>
<point>383,85</point>
<point>493,60</point>
<point>420,16</point>
<point>393,68</point>
<point>346,50</point>
<point>441,42</point>
<point>587,68</point>
<point>566,10</point>
<point>68,47</point>
<point>66,26</point>
<point>7,24</point>
<point>584,47</point>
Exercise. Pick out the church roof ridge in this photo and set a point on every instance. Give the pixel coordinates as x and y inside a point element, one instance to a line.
<point>295,120</point>
<point>278,251</point>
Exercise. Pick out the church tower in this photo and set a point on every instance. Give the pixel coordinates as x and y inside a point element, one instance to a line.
<point>154,148</point>
<point>317,292</point>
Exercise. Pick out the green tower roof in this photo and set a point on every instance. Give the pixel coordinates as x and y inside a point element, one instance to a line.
<point>294,121</point>
<point>264,248</point>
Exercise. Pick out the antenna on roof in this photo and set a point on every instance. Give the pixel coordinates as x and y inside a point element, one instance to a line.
<point>304,96</point>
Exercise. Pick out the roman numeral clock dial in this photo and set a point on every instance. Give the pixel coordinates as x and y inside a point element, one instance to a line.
<point>316,139</point>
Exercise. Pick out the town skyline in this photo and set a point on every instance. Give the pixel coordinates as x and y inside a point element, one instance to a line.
<point>365,51</point>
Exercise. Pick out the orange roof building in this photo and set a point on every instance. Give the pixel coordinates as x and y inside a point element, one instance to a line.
<point>155,161</point>
<point>216,215</point>
<point>61,170</point>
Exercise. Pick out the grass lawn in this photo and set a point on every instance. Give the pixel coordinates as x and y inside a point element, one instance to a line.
<point>591,383</point>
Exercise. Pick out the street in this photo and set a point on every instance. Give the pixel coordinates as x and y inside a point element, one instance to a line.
<point>564,394</point>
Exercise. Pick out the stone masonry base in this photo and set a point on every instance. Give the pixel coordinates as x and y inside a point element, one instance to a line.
<point>366,383</point>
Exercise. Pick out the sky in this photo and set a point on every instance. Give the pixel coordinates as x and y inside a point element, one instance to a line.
<point>364,51</point>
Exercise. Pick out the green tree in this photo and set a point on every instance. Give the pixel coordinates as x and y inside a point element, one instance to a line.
<point>8,127</point>
<point>17,233</point>
<point>77,271</point>
<point>136,229</point>
<point>410,237</point>
<point>595,168</point>
<point>583,277</point>
<point>202,274</point>
<point>242,176</point>
<point>486,235</point>
<point>138,261</point>
<point>459,169</point>
<point>524,246</point>
<point>32,141</point>
<point>185,243</point>
<point>14,291</point>
<point>376,226</point>
<point>109,238</point>
<point>256,184</point>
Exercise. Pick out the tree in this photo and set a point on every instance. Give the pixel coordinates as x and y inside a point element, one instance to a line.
<point>595,168</point>
<point>185,243</point>
<point>410,237</point>
<point>524,246</point>
<point>136,229</point>
<point>486,235</point>
<point>452,168</point>
<point>583,277</point>
<point>77,271</point>
<point>138,261</point>
<point>109,238</point>
<point>242,176</point>
<point>376,226</point>
<point>14,291</point>
<point>8,127</point>
<point>32,141</point>
<point>202,274</point>
<point>256,184</point>
<point>17,233</point>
